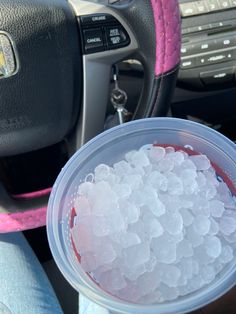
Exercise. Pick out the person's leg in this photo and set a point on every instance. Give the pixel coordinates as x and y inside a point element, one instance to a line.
<point>24,286</point>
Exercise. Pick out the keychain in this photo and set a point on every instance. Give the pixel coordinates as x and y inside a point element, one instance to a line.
<point>119,98</point>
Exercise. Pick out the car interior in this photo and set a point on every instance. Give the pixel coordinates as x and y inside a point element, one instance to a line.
<point>100,55</point>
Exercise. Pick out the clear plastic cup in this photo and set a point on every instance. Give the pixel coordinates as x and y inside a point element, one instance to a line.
<point>110,147</point>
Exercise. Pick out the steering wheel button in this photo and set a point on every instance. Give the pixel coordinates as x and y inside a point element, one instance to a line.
<point>93,40</point>
<point>91,20</point>
<point>116,37</point>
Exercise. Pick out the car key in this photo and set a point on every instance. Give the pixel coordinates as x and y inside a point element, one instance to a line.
<point>118,98</point>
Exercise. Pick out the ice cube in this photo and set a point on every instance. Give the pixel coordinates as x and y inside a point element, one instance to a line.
<point>88,262</point>
<point>112,179</point>
<point>101,172</point>
<point>216,208</point>
<point>186,216</point>
<point>169,294</point>
<point>214,227</point>
<point>139,159</point>
<point>112,280</point>
<point>208,273</point>
<point>122,190</point>
<point>187,267</point>
<point>152,298</point>
<point>106,254</point>
<point>169,149</point>
<point>122,168</point>
<point>148,282</point>
<point>194,284</point>
<point>176,157</point>
<point>213,246</point>
<point>153,228</point>
<point>100,226</point>
<point>211,178</point>
<point>201,179</point>
<point>175,185</point>
<point>201,225</point>
<point>156,153</point>
<point>225,195</point>
<point>172,203</point>
<point>157,180</point>
<point>151,200</point>
<point>201,255</point>
<point>226,255</point>
<point>129,211</point>
<point>210,192</point>
<point>165,165</point>
<point>227,224</point>
<point>201,162</point>
<point>130,293</point>
<point>137,254</point>
<point>188,174</point>
<point>201,206</point>
<point>184,249</point>
<point>164,250</point>
<point>195,238</point>
<point>139,228</point>
<point>82,206</point>
<point>129,155</point>
<point>85,188</point>
<point>133,180</point>
<point>133,272</point>
<point>116,222</point>
<point>188,164</point>
<point>172,222</point>
<point>190,186</point>
<point>82,238</point>
<point>151,263</point>
<point>170,275</point>
<point>127,239</point>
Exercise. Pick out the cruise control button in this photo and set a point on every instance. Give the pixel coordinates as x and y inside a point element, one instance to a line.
<point>90,20</point>
<point>116,37</point>
<point>218,76</point>
<point>93,40</point>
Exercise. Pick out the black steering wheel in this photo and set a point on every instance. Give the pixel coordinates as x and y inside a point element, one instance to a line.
<point>55,68</point>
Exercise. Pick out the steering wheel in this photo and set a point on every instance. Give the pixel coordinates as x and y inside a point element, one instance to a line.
<point>55,68</point>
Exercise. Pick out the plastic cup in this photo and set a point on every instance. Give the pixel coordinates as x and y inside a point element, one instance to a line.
<point>110,147</point>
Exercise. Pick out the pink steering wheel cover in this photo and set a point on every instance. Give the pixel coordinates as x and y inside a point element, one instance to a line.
<point>21,221</point>
<point>168,41</point>
<point>168,35</point>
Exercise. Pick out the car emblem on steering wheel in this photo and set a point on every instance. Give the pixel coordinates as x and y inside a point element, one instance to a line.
<point>9,62</point>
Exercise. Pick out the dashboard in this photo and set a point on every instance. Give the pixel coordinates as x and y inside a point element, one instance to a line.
<point>208,43</point>
<point>206,87</point>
